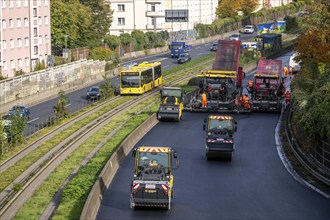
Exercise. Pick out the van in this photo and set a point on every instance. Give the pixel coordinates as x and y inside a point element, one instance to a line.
<point>295,65</point>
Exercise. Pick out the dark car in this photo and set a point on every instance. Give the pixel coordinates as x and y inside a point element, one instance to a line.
<point>94,93</point>
<point>214,47</point>
<point>23,111</point>
<point>184,57</point>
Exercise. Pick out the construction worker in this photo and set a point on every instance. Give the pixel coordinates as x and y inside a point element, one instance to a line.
<point>204,100</point>
<point>287,98</point>
<point>285,71</point>
<point>246,102</point>
<point>290,71</point>
<point>236,103</point>
<point>250,85</point>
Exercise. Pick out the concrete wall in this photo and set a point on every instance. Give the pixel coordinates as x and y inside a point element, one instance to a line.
<point>94,199</point>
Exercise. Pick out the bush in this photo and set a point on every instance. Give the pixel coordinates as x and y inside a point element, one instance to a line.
<point>290,22</point>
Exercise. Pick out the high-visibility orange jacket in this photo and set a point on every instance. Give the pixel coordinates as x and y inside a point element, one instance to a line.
<point>285,70</point>
<point>204,98</point>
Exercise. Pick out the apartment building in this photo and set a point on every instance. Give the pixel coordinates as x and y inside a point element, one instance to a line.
<point>157,15</point>
<point>24,34</point>
<point>272,3</point>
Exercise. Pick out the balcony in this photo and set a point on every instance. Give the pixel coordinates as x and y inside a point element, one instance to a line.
<point>155,14</point>
<point>151,27</point>
<point>153,1</point>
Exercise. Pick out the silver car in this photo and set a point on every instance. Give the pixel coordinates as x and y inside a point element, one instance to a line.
<point>235,36</point>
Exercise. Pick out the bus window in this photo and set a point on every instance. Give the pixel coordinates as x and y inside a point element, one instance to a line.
<point>158,71</point>
<point>130,80</point>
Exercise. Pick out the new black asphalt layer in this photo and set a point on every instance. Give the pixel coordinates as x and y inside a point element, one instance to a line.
<point>254,185</point>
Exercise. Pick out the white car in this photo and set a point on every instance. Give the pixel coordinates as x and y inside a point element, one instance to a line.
<point>295,65</point>
<point>248,29</point>
<point>235,36</point>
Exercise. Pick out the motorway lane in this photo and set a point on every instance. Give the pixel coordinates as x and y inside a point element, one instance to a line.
<point>254,185</point>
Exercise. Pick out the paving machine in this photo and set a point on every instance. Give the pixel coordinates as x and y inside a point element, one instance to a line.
<point>152,185</point>
<point>268,89</point>
<point>223,84</point>
<point>219,136</point>
<point>171,104</point>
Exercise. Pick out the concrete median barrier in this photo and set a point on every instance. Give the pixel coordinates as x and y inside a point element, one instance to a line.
<point>94,199</point>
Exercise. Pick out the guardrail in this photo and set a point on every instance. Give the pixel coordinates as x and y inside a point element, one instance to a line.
<point>307,160</point>
<point>94,199</point>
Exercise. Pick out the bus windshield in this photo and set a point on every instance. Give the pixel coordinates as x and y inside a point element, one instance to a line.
<point>176,47</point>
<point>130,80</point>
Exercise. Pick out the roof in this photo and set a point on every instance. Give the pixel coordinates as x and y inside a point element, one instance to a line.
<point>149,64</point>
<point>220,117</point>
<point>153,149</point>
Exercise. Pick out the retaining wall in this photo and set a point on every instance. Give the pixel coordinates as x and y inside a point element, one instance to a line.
<point>94,199</point>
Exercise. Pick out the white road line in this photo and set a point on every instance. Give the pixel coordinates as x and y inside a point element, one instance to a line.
<point>158,60</point>
<point>197,47</point>
<point>33,120</point>
<point>68,105</point>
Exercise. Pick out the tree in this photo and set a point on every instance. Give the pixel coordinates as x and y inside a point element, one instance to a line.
<point>17,125</point>
<point>101,53</point>
<point>106,88</point>
<point>248,6</point>
<point>126,40</point>
<point>112,41</point>
<point>61,109</point>
<point>227,8</point>
<point>141,40</point>
<point>101,15</point>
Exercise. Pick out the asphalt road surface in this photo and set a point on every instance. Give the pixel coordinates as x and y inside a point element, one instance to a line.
<point>254,185</point>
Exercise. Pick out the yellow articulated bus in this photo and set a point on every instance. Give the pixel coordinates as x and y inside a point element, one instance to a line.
<point>140,79</point>
<point>157,71</point>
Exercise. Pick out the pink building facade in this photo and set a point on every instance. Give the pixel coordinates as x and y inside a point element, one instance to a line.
<point>25,35</point>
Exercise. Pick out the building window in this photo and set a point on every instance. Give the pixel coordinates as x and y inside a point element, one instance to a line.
<point>26,22</point>
<point>153,8</point>
<point>4,24</point>
<point>121,21</point>
<point>19,22</point>
<point>27,61</point>
<point>39,20</point>
<point>11,43</point>
<point>11,3</point>
<point>26,41</point>
<point>153,21</point>
<point>35,32</point>
<point>4,63</point>
<point>11,23</point>
<point>12,64</point>
<point>18,3</point>
<point>121,8</point>
<point>20,63</point>
<point>26,2</point>
<point>46,19</point>
<point>3,3</point>
<point>39,3</point>
<point>45,2</point>
<point>4,44</point>
<point>35,50</point>
<point>35,12</point>
<point>40,39</point>
<point>19,42</point>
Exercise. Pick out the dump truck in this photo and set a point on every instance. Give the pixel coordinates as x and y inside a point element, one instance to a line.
<point>219,136</point>
<point>222,84</point>
<point>152,185</point>
<point>178,48</point>
<point>267,91</point>
<point>171,104</point>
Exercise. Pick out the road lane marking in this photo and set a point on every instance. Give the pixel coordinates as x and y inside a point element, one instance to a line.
<point>158,60</point>
<point>197,47</point>
<point>32,120</point>
<point>68,105</point>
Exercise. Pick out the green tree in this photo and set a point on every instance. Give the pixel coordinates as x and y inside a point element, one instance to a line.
<point>3,137</point>
<point>126,40</point>
<point>141,40</point>
<point>16,128</point>
<point>101,53</point>
<point>101,15</point>
<point>61,109</point>
<point>107,88</point>
<point>112,41</point>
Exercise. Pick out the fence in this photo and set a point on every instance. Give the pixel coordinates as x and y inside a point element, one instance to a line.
<point>67,75</point>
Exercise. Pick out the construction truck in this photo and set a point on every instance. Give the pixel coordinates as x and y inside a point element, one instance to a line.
<point>152,185</point>
<point>268,89</point>
<point>219,136</point>
<point>223,84</point>
<point>171,104</point>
